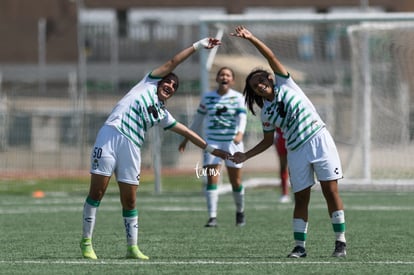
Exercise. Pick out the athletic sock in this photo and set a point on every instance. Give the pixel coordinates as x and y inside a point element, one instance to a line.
<point>131,226</point>
<point>300,230</point>
<point>338,224</point>
<point>90,208</point>
<point>238,196</point>
<point>212,199</point>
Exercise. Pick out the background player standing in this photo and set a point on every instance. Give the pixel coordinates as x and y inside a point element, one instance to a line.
<point>224,115</point>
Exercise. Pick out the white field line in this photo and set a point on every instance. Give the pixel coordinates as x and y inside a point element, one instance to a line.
<point>201,262</point>
<point>46,208</point>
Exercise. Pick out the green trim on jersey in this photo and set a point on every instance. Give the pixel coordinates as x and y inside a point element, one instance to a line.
<point>221,114</point>
<point>139,110</point>
<point>134,120</point>
<point>153,77</point>
<point>284,76</point>
<point>171,126</point>
<point>130,137</point>
<point>146,107</point>
<point>298,119</point>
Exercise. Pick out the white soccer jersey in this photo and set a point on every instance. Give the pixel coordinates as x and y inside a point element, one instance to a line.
<point>139,110</point>
<point>222,111</point>
<point>292,112</point>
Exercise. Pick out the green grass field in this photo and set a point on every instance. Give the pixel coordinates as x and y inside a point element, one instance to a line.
<point>41,236</point>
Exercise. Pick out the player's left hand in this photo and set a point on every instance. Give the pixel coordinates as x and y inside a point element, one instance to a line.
<point>212,42</point>
<point>207,43</point>
<point>221,154</point>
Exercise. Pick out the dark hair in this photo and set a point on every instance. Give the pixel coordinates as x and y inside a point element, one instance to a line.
<point>226,68</point>
<point>250,96</point>
<point>170,77</point>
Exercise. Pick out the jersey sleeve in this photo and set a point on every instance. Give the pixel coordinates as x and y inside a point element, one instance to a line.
<point>202,106</point>
<point>197,123</point>
<point>241,112</point>
<point>241,107</point>
<point>168,121</point>
<point>288,81</point>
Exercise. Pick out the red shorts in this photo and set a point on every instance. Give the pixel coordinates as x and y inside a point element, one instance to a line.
<point>280,143</point>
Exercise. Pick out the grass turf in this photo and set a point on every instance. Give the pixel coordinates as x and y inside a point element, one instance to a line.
<point>41,236</point>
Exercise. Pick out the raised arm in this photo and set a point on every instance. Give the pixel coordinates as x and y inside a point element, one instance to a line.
<point>170,65</point>
<point>274,62</point>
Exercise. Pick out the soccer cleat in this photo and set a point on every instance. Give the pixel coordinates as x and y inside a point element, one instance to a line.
<point>133,252</point>
<point>240,220</point>
<point>340,249</point>
<point>285,199</point>
<point>212,222</point>
<point>298,252</point>
<point>87,249</point>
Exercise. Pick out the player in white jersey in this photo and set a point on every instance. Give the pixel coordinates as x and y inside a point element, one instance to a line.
<point>224,115</point>
<point>311,149</point>
<point>117,146</point>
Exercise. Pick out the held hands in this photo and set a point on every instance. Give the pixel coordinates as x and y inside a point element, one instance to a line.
<point>238,157</point>
<point>207,43</point>
<point>221,154</point>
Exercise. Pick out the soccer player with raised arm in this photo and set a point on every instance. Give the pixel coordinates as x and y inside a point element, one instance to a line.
<point>223,114</point>
<point>311,149</point>
<point>119,141</point>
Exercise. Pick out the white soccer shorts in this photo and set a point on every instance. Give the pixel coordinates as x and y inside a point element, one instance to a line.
<point>115,153</point>
<point>317,157</point>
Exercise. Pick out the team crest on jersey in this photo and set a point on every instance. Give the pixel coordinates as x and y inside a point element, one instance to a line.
<point>220,110</point>
<point>269,111</point>
<point>95,164</point>
<point>266,124</point>
<point>153,110</point>
<point>281,109</point>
